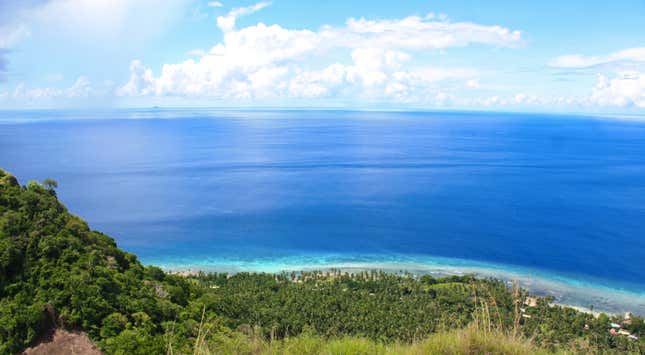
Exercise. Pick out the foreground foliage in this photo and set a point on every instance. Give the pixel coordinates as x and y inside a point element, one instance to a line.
<point>470,340</point>
<point>57,272</point>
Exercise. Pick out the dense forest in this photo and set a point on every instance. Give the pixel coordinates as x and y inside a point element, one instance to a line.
<point>55,272</point>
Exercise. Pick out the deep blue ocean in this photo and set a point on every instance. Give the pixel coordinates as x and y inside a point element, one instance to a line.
<point>557,201</point>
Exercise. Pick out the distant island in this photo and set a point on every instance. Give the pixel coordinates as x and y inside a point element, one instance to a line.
<point>64,284</point>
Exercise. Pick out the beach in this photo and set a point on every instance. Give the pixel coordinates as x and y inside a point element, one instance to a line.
<point>588,295</point>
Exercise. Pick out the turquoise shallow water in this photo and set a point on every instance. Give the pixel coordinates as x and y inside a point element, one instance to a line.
<point>575,290</point>
<point>555,201</point>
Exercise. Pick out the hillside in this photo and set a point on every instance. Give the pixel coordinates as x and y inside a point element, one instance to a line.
<point>57,273</point>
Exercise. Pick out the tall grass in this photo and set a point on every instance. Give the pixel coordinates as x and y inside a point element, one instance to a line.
<point>484,335</point>
<point>469,340</point>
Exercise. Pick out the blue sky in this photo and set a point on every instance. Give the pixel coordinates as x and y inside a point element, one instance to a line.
<point>565,56</point>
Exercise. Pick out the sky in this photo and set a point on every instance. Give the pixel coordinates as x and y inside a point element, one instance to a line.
<point>563,56</point>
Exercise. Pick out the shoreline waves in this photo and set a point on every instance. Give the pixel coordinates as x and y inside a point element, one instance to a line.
<point>567,290</point>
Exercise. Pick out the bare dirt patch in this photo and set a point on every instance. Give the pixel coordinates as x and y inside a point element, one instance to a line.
<point>62,342</point>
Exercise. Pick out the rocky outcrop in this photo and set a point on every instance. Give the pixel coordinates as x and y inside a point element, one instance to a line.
<point>63,342</point>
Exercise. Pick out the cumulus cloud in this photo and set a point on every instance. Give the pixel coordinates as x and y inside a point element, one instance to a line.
<point>227,23</point>
<point>620,79</point>
<point>82,87</point>
<point>625,90</point>
<point>361,59</point>
<point>141,81</point>
<point>578,61</point>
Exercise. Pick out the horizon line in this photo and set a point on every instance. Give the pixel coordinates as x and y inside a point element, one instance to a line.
<point>614,115</point>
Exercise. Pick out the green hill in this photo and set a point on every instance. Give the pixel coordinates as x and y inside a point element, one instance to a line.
<point>55,272</point>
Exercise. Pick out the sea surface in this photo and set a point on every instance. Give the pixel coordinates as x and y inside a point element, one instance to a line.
<point>555,201</point>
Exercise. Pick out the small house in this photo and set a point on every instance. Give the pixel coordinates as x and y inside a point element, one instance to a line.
<point>627,320</point>
<point>624,332</point>
<point>531,301</point>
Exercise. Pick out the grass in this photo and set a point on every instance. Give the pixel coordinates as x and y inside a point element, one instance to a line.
<point>470,340</point>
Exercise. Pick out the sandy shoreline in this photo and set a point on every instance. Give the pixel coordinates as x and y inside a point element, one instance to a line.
<point>565,291</point>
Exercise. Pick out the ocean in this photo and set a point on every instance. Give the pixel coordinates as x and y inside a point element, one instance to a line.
<point>556,201</point>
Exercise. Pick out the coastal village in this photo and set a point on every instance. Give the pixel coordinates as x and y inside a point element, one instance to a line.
<point>617,329</point>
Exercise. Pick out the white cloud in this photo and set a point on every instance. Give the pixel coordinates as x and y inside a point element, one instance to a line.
<point>374,74</point>
<point>215,4</point>
<point>13,15</point>
<point>525,99</point>
<point>227,23</point>
<point>141,81</point>
<point>197,52</point>
<point>12,34</point>
<point>624,90</point>
<point>362,59</point>
<point>520,98</point>
<point>578,61</point>
<point>317,83</point>
<point>81,88</point>
<point>417,33</point>
<point>620,78</point>
<point>472,84</point>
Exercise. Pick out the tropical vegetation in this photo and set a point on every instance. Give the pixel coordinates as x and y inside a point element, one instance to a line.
<point>56,272</point>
